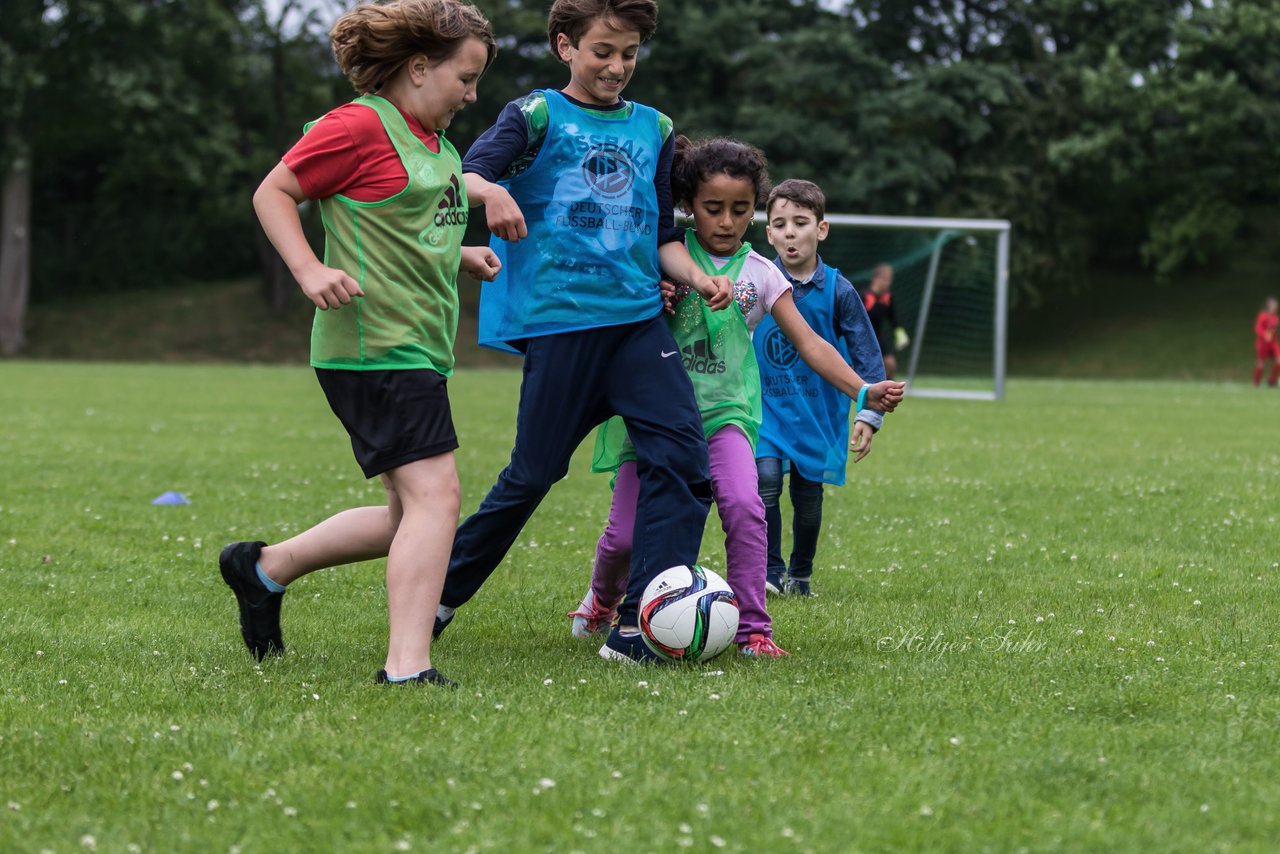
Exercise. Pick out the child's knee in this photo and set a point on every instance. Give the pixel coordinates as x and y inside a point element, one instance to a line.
<point>615,544</point>
<point>769,478</point>
<point>685,461</point>
<point>531,480</point>
<point>809,508</point>
<point>449,492</point>
<point>741,509</point>
<point>435,484</point>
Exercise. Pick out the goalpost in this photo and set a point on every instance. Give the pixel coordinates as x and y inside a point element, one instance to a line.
<point>950,292</point>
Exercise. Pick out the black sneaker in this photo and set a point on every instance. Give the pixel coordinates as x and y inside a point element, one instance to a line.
<point>259,607</point>
<point>426,677</point>
<point>799,587</point>
<point>774,585</point>
<point>441,625</point>
<point>628,648</point>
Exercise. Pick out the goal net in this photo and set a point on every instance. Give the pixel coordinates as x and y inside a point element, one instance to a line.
<point>950,294</point>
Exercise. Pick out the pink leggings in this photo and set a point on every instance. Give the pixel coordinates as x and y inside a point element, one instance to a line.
<point>733,483</point>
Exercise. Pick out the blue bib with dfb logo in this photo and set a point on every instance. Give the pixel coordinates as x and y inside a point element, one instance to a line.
<point>591,208</point>
<point>806,419</point>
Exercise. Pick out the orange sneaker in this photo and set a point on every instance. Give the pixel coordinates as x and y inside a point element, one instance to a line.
<point>591,618</point>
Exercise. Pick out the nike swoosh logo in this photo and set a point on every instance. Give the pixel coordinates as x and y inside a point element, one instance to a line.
<point>666,355</point>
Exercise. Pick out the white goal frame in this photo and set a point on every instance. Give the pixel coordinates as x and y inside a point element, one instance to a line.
<point>1000,280</point>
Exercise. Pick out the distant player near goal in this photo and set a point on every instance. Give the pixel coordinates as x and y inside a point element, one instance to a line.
<point>1268,347</point>
<point>884,317</point>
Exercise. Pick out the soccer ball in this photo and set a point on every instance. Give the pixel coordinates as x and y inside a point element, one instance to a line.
<point>688,613</point>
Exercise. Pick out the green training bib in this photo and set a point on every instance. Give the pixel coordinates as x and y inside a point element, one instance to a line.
<point>718,356</point>
<point>404,251</point>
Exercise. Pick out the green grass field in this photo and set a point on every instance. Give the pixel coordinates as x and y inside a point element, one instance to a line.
<point>1044,624</point>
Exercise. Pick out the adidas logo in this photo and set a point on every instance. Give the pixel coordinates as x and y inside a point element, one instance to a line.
<point>700,349</point>
<point>699,358</point>
<point>450,199</point>
<point>451,211</point>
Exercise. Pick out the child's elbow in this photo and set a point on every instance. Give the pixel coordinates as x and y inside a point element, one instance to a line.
<point>266,191</point>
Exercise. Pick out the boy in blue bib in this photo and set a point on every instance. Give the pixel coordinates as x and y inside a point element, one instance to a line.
<point>576,187</point>
<point>793,394</point>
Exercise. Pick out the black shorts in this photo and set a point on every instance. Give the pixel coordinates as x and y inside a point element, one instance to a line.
<point>392,417</point>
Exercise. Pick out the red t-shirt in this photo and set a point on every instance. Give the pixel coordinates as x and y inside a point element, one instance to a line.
<point>1265,327</point>
<point>348,152</point>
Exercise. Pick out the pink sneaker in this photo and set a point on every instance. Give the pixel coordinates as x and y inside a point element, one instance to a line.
<point>592,619</point>
<point>762,646</point>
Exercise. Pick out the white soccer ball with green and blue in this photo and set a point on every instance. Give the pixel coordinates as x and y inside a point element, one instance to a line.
<point>688,613</point>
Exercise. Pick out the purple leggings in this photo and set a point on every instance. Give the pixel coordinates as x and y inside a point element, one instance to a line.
<point>734,485</point>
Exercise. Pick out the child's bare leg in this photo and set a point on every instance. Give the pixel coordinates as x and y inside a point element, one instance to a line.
<point>351,536</point>
<point>358,534</point>
<point>429,498</point>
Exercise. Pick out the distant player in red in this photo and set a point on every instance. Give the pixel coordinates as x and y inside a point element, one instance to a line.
<point>884,318</point>
<point>1264,328</point>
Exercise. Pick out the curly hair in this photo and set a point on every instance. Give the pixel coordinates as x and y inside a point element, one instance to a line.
<point>575,17</point>
<point>695,162</point>
<point>373,40</point>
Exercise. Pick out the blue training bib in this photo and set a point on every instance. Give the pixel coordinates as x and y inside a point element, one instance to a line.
<point>591,208</point>
<point>806,419</point>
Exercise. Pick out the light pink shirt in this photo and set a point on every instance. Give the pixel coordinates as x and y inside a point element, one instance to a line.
<point>759,285</point>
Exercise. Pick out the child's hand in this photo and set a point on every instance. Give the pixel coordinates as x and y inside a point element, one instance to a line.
<point>480,263</point>
<point>885,396</point>
<point>667,288</point>
<point>327,287</point>
<point>862,436</point>
<point>716,290</point>
<point>503,215</point>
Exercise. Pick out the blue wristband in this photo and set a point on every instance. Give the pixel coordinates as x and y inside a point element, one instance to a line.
<point>862,396</point>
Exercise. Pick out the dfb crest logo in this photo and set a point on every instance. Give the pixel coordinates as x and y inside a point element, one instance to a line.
<point>779,351</point>
<point>608,170</point>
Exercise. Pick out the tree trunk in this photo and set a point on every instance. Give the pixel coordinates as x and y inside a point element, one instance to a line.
<point>15,246</point>
<point>277,281</point>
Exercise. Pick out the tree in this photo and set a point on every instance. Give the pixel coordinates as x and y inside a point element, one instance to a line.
<point>1187,140</point>
<point>524,62</point>
<point>118,113</point>
<point>134,131</point>
<point>284,56</point>
<point>20,81</point>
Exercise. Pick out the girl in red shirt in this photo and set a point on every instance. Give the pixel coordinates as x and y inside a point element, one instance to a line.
<point>1264,328</point>
<point>390,187</point>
